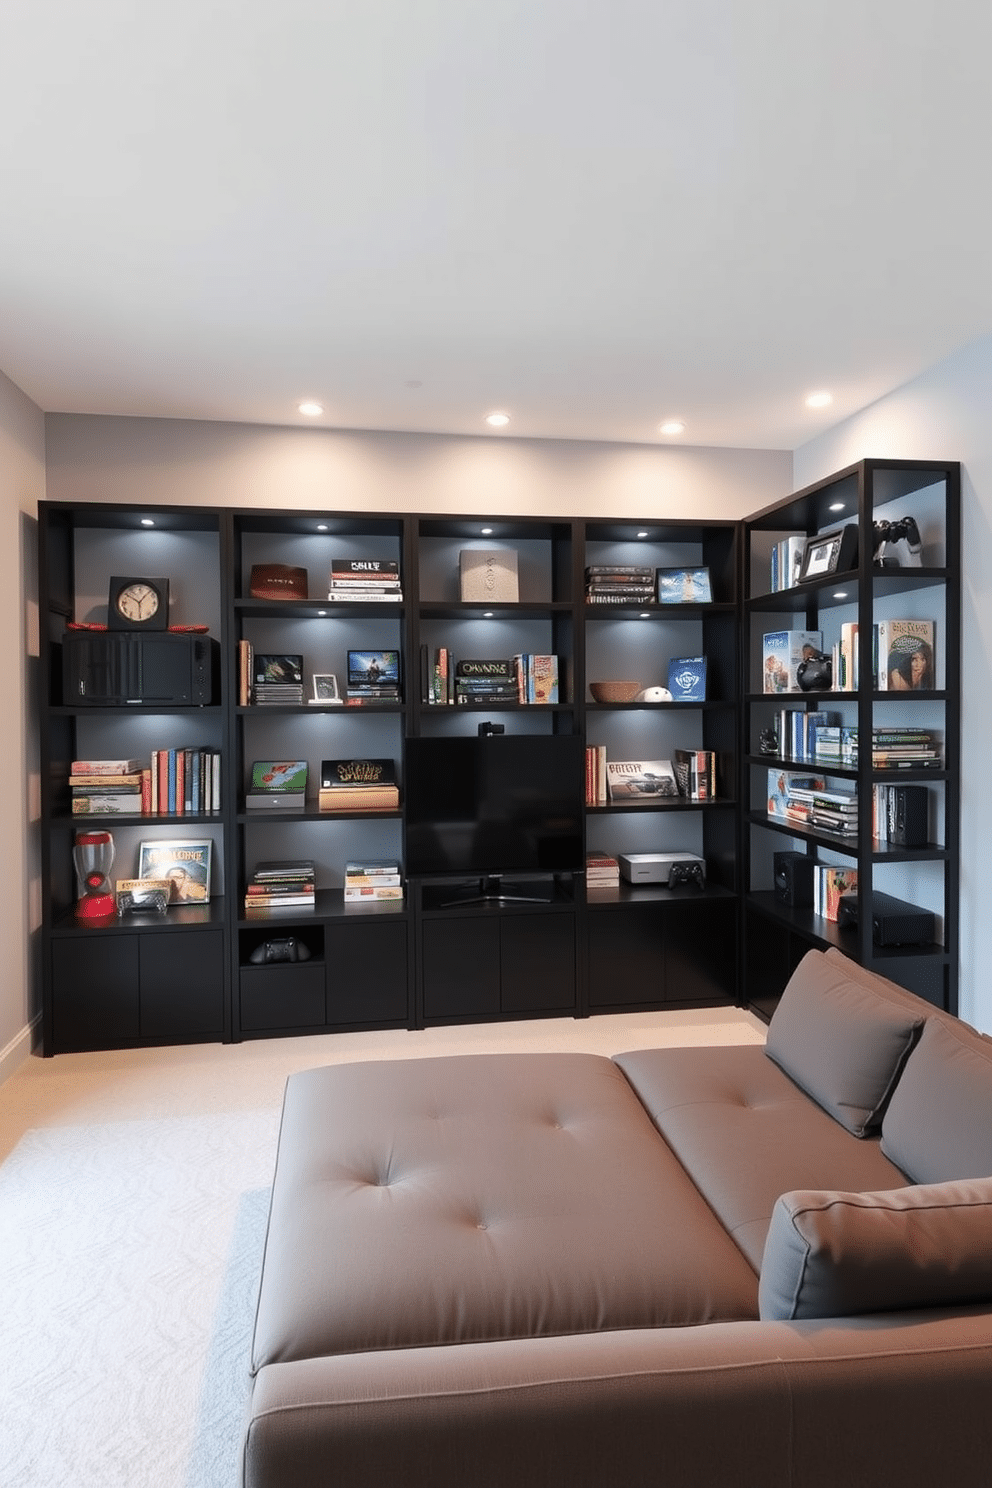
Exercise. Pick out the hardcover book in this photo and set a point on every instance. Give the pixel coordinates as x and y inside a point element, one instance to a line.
<point>687,679</point>
<point>905,655</point>
<point>639,782</point>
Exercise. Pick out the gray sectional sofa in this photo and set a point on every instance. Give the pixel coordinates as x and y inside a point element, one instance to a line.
<point>710,1268</point>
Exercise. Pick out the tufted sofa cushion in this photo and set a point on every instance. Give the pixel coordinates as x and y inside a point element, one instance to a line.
<point>433,1201</point>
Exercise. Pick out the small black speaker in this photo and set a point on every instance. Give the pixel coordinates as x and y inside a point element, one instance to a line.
<point>794,879</point>
<point>909,815</point>
<point>893,921</point>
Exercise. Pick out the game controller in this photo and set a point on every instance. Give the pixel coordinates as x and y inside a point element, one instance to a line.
<point>272,951</point>
<point>690,874</point>
<point>897,544</point>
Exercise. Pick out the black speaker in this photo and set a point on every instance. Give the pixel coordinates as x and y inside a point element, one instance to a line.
<point>909,815</point>
<point>794,879</point>
<point>893,921</point>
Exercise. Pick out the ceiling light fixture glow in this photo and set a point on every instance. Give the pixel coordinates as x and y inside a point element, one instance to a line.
<point>837,506</point>
<point>819,400</point>
<point>672,426</point>
<point>497,420</point>
<point>321,526</point>
<point>147,522</point>
<point>486,531</point>
<point>311,410</point>
<point>642,534</point>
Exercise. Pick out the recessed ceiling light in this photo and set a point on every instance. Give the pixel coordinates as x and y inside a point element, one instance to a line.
<point>642,534</point>
<point>487,614</point>
<point>321,612</point>
<point>497,420</point>
<point>147,522</point>
<point>819,400</point>
<point>837,506</point>
<point>645,614</point>
<point>840,594</point>
<point>321,526</point>
<point>312,410</point>
<point>486,531</point>
<point>672,426</point>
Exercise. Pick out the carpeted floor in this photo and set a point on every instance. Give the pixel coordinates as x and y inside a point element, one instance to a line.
<point>133,1201</point>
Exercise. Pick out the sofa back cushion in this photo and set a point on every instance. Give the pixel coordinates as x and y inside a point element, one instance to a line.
<point>841,1042</point>
<point>938,1125</point>
<point>832,1254</point>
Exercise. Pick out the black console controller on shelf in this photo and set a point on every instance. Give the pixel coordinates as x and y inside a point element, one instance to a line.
<point>691,874</point>
<point>272,951</point>
<point>897,544</point>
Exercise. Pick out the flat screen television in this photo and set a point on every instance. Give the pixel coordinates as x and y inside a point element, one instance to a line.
<point>485,805</point>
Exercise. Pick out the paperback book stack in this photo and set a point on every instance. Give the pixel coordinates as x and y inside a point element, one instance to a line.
<point>602,871</point>
<point>363,580</point>
<point>834,811</point>
<point>281,886</point>
<point>358,785</point>
<point>596,788</point>
<point>484,681</point>
<point>278,679</point>
<point>620,583</point>
<point>790,795</point>
<point>368,880</point>
<point>894,748</point>
<point>107,787</point>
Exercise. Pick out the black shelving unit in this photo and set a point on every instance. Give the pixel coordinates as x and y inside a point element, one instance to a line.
<point>775,934</point>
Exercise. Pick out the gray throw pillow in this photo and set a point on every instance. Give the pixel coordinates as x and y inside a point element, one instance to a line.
<point>939,1123</point>
<point>831,1254</point>
<point>841,1042</point>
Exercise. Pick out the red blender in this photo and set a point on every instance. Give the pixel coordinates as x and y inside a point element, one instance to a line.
<point>93,856</point>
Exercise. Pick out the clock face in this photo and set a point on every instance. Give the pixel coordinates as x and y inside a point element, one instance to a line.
<point>138,603</point>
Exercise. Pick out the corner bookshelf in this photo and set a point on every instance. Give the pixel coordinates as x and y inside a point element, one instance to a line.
<point>916,582</point>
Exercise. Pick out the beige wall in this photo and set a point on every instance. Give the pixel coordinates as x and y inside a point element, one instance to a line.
<point>22,484</point>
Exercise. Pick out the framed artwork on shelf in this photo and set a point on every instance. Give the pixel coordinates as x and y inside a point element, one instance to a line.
<point>185,862</point>
<point>684,586</point>
<point>829,553</point>
<point>325,689</point>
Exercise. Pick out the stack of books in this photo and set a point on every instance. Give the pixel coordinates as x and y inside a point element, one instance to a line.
<point>484,681</point>
<point>282,885</point>
<point>278,679</point>
<point>358,785</point>
<point>370,879</point>
<point>790,796</point>
<point>364,579</point>
<point>620,583</point>
<point>537,678</point>
<point>895,748</point>
<point>829,883</point>
<point>107,787</point>
<point>834,811</point>
<point>602,871</point>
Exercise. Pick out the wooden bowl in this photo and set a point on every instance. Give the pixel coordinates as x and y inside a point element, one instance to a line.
<point>614,692</point>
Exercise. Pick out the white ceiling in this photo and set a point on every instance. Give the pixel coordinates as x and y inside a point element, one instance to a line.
<point>594,214</point>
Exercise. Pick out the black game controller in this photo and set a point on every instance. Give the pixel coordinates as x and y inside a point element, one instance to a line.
<point>897,544</point>
<point>271,951</point>
<point>686,873</point>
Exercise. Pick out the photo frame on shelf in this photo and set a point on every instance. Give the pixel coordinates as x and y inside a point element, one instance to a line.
<point>829,553</point>
<point>325,689</point>
<point>184,861</point>
<point>684,586</point>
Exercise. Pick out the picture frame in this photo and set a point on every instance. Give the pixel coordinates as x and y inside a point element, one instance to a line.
<point>684,586</point>
<point>829,553</point>
<point>325,690</point>
<point>184,861</point>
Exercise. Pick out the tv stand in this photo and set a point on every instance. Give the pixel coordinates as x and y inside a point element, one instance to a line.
<point>490,890</point>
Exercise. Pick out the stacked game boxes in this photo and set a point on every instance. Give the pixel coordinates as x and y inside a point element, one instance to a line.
<point>278,679</point>
<point>282,885</point>
<point>373,676</point>
<point>620,583</point>
<point>369,880</point>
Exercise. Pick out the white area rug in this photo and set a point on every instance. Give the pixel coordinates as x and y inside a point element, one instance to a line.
<point>131,1255</point>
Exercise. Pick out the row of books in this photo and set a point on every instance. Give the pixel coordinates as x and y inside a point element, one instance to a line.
<point>690,773</point>
<point>902,658</point>
<point>363,580</point>
<point>829,883</point>
<point>177,782</point>
<point>282,885</point>
<point>786,562</point>
<point>525,678</point>
<point>368,880</point>
<point>907,748</point>
<point>799,732</point>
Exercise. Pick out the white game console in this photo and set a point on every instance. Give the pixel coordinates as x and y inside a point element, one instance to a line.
<point>671,868</point>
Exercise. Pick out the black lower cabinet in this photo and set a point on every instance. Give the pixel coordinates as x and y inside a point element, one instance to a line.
<point>113,990</point>
<point>680,951</point>
<point>358,976</point>
<point>498,964</point>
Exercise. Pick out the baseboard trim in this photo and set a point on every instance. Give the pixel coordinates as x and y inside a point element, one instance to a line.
<point>13,1054</point>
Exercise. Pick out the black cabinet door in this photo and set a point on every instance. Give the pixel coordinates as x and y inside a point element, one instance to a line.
<point>95,996</point>
<point>537,963</point>
<point>367,972</point>
<point>287,997</point>
<point>626,956</point>
<point>701,951</point>
<point>182,984</point>
<point>461,967</point>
